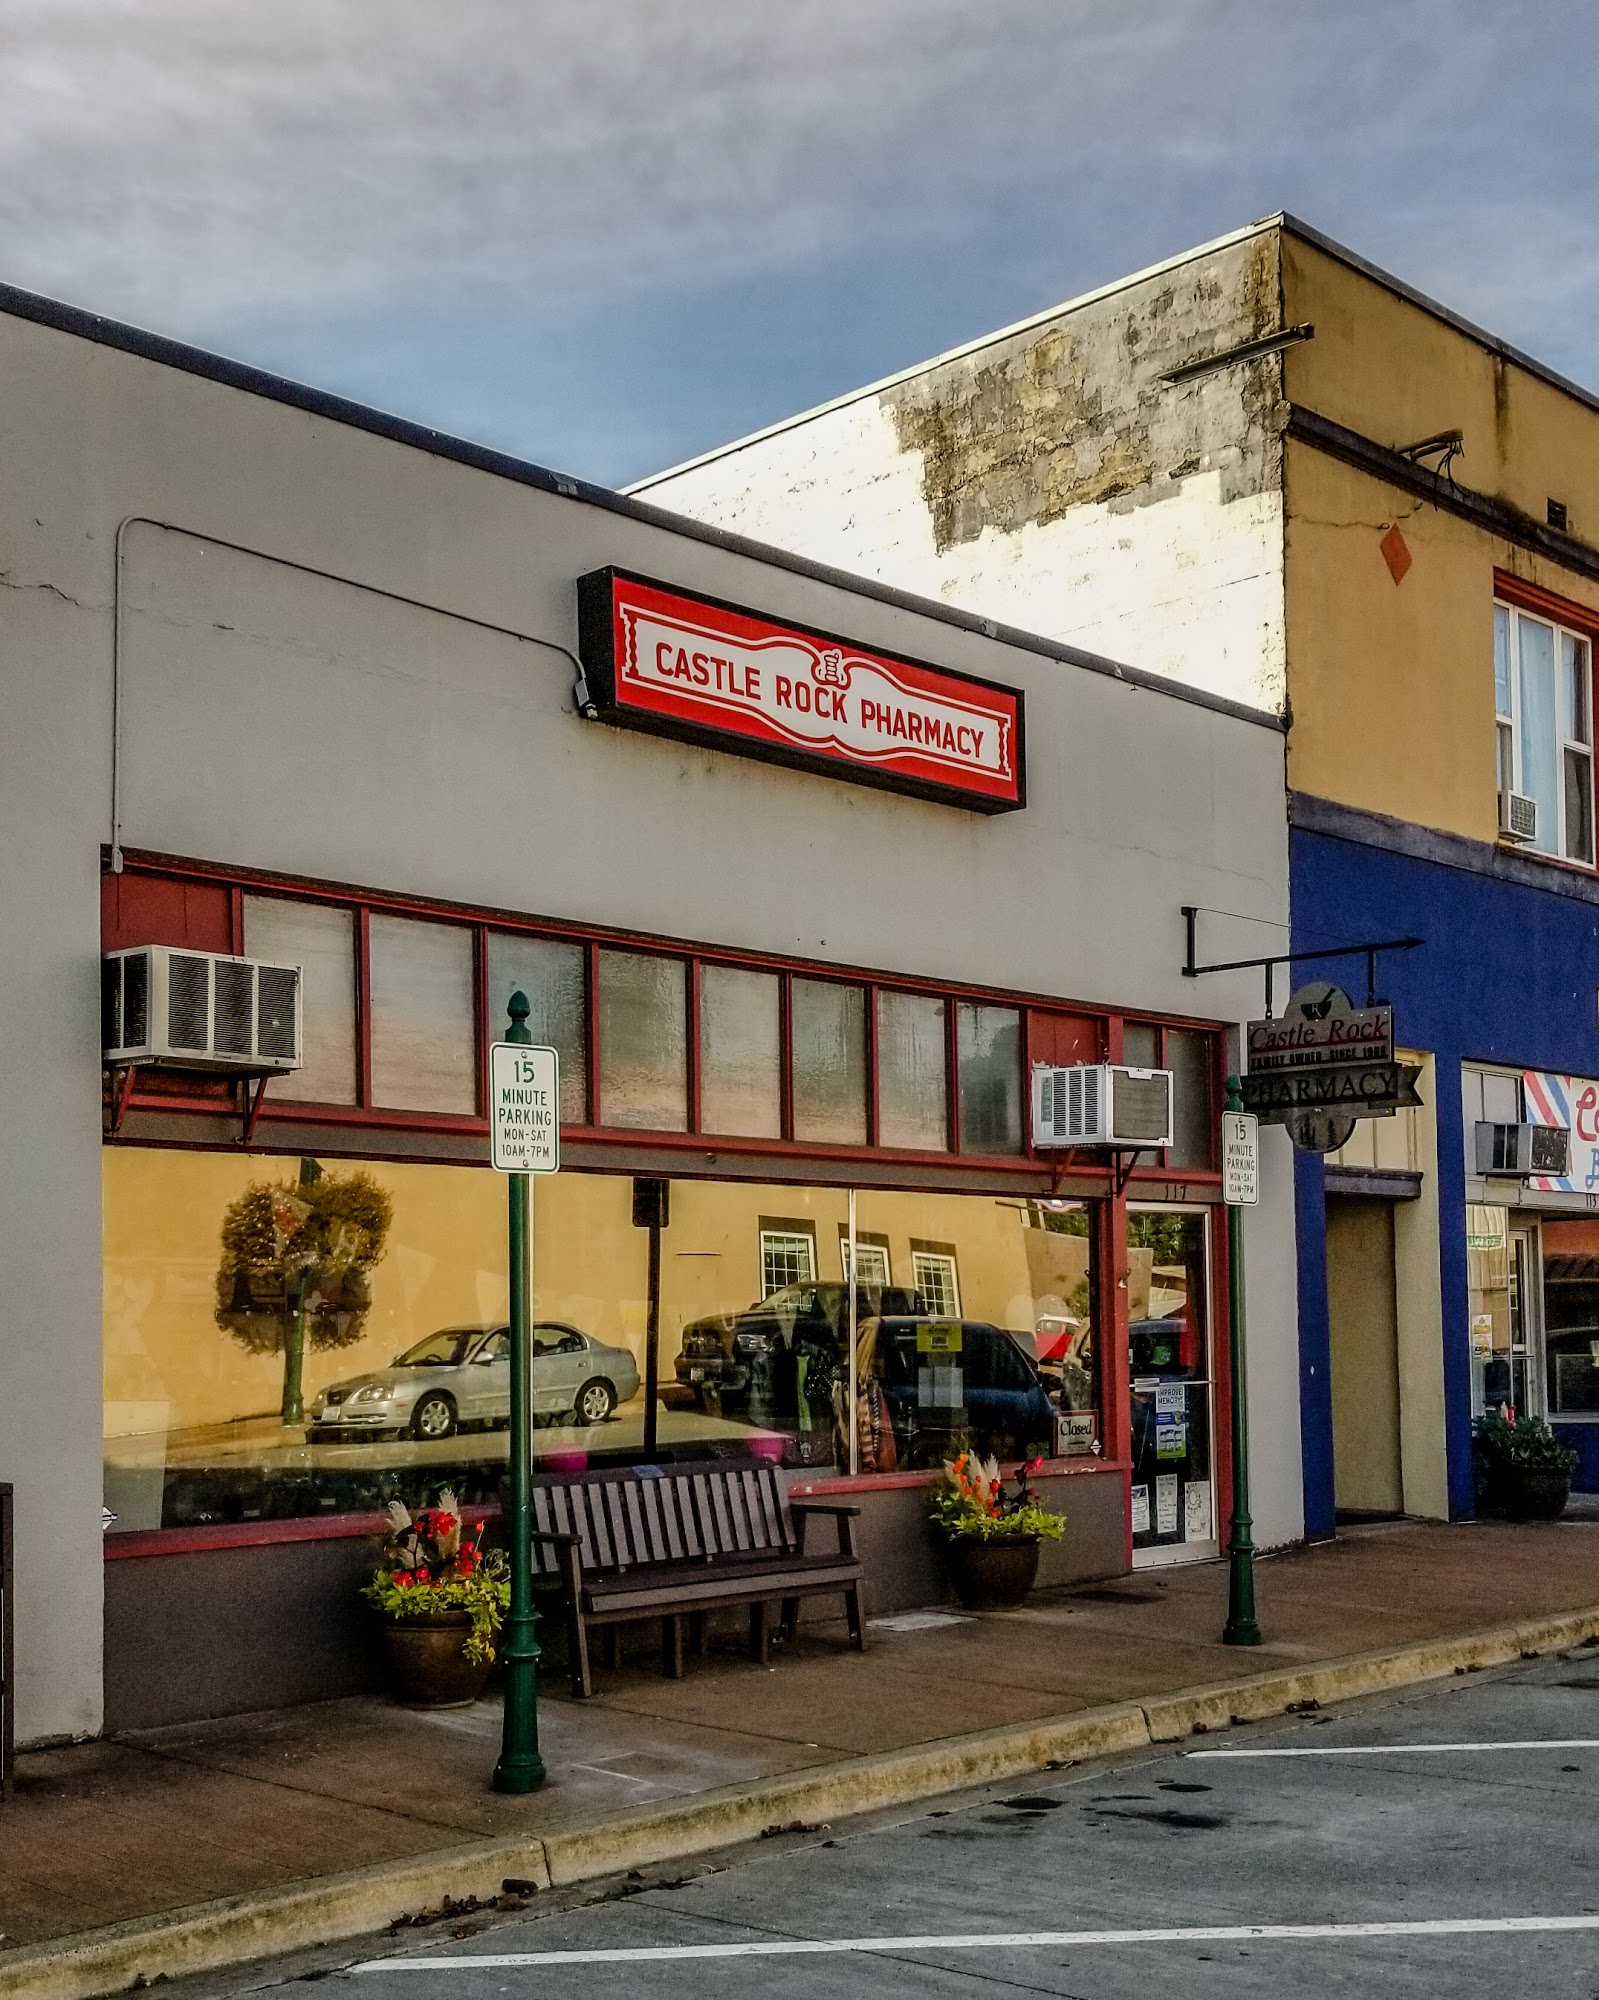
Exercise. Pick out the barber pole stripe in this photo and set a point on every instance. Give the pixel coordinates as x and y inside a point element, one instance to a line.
<point>1548,1103</point>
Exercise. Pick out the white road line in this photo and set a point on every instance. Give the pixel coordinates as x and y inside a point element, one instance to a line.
<point>984,1941</point>
<point>1408,1749</point>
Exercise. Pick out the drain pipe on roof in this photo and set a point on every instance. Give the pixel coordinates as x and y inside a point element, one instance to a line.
<point>580,690</point>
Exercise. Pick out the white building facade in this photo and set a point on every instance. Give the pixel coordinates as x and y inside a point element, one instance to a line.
<point>286,680</point>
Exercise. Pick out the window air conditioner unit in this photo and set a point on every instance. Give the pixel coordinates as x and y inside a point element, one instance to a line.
<point>1518,816</point>
<point>1519,1152</point>
<point>1102,1104</point>
<point>173,1009</point>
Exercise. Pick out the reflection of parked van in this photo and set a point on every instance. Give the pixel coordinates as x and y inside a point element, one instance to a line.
<point>721,1353</point>
<point>1004,1406</point>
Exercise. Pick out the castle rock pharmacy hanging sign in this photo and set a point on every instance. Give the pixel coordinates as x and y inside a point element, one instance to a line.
<point>710,673</point>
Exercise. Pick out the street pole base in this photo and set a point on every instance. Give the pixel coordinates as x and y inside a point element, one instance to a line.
<point>1244,1633</point>
<point>519,1775</point>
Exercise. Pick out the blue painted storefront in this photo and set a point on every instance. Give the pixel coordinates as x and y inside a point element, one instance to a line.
<point>1509,975</point>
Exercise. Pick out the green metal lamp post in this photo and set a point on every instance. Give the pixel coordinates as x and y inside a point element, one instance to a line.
<point>1241,1628</point>
<point>521,1768</point>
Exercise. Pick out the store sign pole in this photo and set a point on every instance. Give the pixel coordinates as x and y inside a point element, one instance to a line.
<point>1241,1175</point>
<point>524,1100</point>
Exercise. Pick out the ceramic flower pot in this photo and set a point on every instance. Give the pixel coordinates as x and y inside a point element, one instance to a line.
<point>1533,1493</point>
<point>428,1667</point>
<point>991,1573</point>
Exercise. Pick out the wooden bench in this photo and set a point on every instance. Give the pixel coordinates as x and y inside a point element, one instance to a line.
<point>676,1541</point>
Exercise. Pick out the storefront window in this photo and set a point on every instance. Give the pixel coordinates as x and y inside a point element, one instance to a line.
<point>829,1062</point>
<point>1169,1365</point>
<point>1571,1314</point>
<point>912,1071</point>
<point>320,939</point>
<point>741,1054</point>
<point>424,1025</point>
<point>551,973</point>
<point>288,1337</point>
<point>988,1053</point>
<point>643,1041</point>
<point>975,1327</point>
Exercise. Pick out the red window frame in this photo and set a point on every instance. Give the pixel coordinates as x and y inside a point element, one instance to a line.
<point>1044,1019</point>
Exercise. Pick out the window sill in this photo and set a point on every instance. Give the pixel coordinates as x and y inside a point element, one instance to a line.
<point>259,1534</point>
<point>898,1482</point>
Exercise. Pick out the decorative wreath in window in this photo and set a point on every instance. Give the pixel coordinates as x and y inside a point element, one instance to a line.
<point>301,1255</point>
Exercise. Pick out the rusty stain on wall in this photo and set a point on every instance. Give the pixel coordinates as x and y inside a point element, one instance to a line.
<point>1075,414</point>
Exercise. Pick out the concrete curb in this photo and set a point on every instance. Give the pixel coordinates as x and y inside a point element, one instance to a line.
<point>238,1929</point>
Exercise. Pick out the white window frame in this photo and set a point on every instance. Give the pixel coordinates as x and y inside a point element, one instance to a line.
<point>1509,739</point>
<point>867,1254</point>
<point>782,1243</point>
<point>941,1262</point>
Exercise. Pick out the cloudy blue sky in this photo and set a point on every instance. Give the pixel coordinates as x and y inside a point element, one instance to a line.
<point>609,233</point>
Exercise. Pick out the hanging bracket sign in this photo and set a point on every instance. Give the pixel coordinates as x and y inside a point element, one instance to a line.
<point>524,1109</point>
<point>676,664</point>
<point>1323,1064</point>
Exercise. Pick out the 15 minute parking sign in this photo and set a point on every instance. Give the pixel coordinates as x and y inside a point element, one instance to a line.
<point>1240,1159</point>
<point>524,1109</point>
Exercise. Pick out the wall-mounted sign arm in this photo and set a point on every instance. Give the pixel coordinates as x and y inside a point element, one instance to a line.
<point>1367,950</point>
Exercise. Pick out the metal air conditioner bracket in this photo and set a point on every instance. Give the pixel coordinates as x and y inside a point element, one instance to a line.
<point>121,1092</point>
<point>252,1105</point>
<point>1121,1170</point>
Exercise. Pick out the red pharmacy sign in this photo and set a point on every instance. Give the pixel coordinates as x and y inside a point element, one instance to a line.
<point>691,667</point>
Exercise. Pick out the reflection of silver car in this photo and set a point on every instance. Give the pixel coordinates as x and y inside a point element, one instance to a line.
<point>462,1375</point>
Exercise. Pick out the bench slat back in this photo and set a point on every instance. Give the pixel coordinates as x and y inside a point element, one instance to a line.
<point>644,1516</point>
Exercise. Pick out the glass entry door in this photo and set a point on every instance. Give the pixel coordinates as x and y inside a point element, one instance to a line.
<point>1169,1383</point>
<point>1503,1271</point>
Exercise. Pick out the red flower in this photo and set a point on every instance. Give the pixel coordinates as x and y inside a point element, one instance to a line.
<point>423,1573</point>
<point>442,1523</point>
<point>403,1580</point>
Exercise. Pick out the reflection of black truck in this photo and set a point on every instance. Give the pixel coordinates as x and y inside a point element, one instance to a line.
<point>750,1360</point>
<point>1003,1407</point>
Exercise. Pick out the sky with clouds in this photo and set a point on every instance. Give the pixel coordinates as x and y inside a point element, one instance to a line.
<point>607,234</point>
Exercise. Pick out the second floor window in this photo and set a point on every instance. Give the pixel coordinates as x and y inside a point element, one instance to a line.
<point>1543,704</point>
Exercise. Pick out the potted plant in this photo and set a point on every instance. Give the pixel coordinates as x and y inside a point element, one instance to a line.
<point>1525,1469</point>
<point>442,1599</point>
<point>992,1532</point>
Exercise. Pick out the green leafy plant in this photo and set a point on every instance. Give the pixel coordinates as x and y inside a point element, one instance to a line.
<point>972,1501</point>
<point>296,1267</point>
<point>432,1563</point>
<point>1506,1442</point>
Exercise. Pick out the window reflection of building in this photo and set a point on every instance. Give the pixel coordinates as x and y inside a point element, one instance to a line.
<point>937,1281</point>
<point>754,1333</point>
<point>788,1257</point>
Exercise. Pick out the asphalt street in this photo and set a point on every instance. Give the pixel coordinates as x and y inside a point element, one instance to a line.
<point>1443,1843</point>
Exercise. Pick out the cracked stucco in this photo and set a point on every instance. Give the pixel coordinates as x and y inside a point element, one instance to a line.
<point>1078,413</point>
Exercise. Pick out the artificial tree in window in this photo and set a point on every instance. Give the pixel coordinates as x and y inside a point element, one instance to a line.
<point>296,1267</point>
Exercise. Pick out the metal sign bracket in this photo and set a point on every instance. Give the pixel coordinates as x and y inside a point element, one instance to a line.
<point>1367,950</point>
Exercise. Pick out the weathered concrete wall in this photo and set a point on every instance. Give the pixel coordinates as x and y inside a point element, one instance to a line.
<point>1051,478</point>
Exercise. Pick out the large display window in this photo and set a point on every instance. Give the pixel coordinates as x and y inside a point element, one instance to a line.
<point>287,1337</point>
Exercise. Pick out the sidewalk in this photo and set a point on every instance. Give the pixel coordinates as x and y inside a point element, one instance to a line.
<point>106,1832</point>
